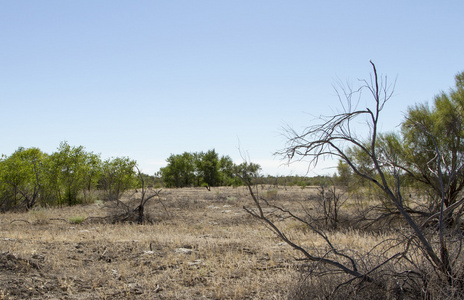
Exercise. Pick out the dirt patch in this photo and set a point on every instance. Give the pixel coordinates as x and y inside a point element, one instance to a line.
<point>26,278</point>
<point>202,245</point>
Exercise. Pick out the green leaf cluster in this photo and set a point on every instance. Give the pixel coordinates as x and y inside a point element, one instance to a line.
<point>437,127</point>
<point>21,178</point>
<point>200,169</point>
<point>117,176</point>
<point>30,177</point>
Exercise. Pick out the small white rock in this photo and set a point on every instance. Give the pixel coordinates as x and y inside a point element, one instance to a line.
<point>195,262</point>
<point>184,250</point>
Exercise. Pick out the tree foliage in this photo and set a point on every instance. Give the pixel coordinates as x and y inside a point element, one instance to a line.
<point>180,170</point>
<point>21,178</point>
<point>117,176</point>
<point>198,169</point>
<point>29,177</point>
<point>70,170</point>
<point>440,126</point>
<point>69,175</point>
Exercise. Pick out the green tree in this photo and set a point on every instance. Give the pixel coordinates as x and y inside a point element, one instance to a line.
<point>21,178</point>
<point>344,174</point>
<point>118,175</point>
<point>208,168</point>
<point>70,170</point>
<point>226,171</point>
<point>440,127</point>
<point>180,171</point>
<point>246,172</point>
<point>92,173</point>
<point>201,169</point>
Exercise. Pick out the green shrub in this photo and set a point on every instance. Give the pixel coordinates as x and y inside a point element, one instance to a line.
<point>76,219</point>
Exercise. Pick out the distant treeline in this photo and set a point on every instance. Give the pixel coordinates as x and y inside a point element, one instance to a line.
<point>294,180</point>
<point>71,175</point>
<point>30,177</point>
<point>209,169</point>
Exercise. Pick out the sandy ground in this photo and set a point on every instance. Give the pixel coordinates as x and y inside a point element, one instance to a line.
<point>200,245</point>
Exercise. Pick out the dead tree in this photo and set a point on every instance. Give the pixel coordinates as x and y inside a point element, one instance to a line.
<point>136,214</point>
<point>330,200</point>
<point>144,198</point>
<point>336,137</point>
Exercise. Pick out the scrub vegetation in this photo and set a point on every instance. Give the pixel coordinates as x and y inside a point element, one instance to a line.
<point>387,225</point>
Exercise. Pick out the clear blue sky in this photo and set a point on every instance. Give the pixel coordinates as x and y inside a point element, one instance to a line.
<point>147,79</point>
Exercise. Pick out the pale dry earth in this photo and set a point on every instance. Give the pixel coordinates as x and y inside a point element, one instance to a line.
<point>200,245</point>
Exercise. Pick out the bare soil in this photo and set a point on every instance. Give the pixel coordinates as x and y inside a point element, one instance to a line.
<point>200,245</point>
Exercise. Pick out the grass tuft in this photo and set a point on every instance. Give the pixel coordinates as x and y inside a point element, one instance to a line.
<point>76,219</point>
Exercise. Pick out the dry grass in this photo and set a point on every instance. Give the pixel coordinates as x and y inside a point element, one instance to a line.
<point>201,245</point>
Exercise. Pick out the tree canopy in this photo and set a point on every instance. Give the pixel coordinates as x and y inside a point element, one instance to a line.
<point>199,169</point>
<point>439,127</point>
<point>29,176</point>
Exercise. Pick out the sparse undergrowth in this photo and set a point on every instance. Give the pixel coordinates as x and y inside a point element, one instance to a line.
<point>199,244</point>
